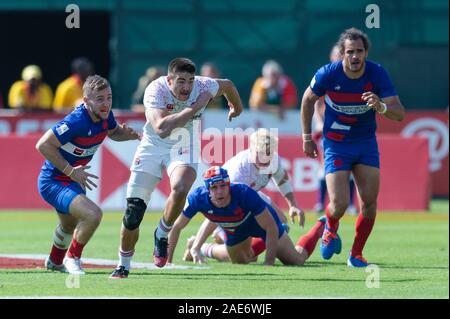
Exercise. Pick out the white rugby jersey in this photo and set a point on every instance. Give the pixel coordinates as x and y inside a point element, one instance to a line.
<point>158,95</point>
<point>241,170</point>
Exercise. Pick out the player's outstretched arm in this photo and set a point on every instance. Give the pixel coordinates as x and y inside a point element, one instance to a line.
<point>163,122</point>
<point>174,235</point>
<point>205,230</point>
<point>294,210</point>
<point>266,221</point>
<point>306,115</point>
<point>123,133</point>
<point>281,178</point>
<point>228,89</point>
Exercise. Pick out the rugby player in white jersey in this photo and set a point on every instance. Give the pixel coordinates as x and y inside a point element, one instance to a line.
<point>172,103</point>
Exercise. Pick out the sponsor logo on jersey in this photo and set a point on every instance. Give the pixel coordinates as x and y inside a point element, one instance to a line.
<point>347,109</point>
<point>62,129</point>
<point>368,87</point>
<point>78,151</point>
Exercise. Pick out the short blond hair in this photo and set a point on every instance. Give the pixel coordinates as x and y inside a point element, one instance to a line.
<point>263,140</point>
<point>94,83</point>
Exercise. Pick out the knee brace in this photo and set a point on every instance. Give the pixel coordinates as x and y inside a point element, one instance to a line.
<point>134,213</point>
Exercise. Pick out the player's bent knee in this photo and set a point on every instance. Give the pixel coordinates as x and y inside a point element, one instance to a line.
<point>95,215</point>
<point>180,191</point>
<point>240,259</point>
<point>134,213</point>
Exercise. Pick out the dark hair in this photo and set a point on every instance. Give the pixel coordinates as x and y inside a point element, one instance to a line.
<point>94,83</point>
<point>181,65</point>
<point>352,34</point>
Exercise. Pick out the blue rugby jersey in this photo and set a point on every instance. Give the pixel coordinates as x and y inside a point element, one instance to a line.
<point>80,138</point>
<point>237,217</point>
<point>347,117</point>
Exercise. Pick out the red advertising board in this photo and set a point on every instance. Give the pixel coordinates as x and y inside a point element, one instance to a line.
<point>430,124</point>
<point>433,126</point>
<point>405,179</point>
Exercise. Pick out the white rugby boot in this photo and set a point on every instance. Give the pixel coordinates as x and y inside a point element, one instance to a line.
<point>73,266</point>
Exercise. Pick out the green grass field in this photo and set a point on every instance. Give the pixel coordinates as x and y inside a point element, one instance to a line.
<point>410,249</point>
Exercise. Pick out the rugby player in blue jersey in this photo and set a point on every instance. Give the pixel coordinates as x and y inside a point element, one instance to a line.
<point>356,91</point>
<point>251,225</point>
<point>68,147</point>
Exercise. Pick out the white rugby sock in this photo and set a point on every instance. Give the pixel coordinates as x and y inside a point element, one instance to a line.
<point>207,250</point>
<point>125,258</point>
<point>163,229</point>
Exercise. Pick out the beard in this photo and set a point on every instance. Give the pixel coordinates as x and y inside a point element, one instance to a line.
<point>352,68</point>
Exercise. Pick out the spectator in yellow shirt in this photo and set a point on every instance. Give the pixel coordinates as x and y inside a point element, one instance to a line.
<point>30,93</point>
<point>69,92</point>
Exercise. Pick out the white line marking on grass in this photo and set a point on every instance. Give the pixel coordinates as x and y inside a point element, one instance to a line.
<point>106,262</point>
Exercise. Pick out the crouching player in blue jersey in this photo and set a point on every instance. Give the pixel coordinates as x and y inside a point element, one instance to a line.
<point>68,147</point>
<point>251,225</point>
<point>355,90</point>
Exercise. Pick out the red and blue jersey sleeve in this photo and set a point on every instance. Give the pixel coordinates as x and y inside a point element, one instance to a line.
<point>67,129</point>
<point>383,83</point>
<point>192,208</point>
<point>319,82</point>
<point>111,121</point>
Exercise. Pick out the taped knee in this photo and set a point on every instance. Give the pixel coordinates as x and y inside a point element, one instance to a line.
<point>134,213</point>
<point>61,239</point>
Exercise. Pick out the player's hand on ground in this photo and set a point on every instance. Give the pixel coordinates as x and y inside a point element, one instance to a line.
<point>295,211</point>
<point>197,257</point>
<point>130,133</point>
<point>203,100</point>
<point>373,101</point>
<point>310,149</point>
<point>82,177</point>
